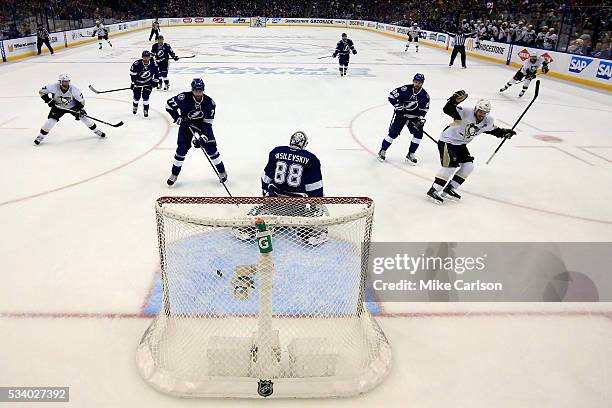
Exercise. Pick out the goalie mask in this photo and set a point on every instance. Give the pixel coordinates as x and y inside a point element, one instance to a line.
<point>298,140</point>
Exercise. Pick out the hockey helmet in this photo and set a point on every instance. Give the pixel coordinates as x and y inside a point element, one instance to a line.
<point>299,140</point>
<point>64,77</point>
<point>146,54</point>
<point>483,105</point>
<point>197,84</point>
<point>419,77</point>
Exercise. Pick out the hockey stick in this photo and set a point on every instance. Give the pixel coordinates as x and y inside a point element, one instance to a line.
<point>94,90</point>
<point>430,137</point>
<point>189,56</point>
<point>94,119</point>
<point>210,161</point>
<point>537,92</point>
<point>327,56</point>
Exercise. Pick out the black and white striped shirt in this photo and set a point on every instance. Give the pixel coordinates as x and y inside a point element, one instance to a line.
<point>42,33</point>
<point>460,38</point>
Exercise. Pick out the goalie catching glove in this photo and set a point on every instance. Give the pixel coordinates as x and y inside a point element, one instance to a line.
<point>458,97</point>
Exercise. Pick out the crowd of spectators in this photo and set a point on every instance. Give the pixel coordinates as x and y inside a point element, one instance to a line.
<point>580,27</point>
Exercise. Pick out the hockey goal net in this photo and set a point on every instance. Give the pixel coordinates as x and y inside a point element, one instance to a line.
<point>263,297</point>
<point>258,22</point>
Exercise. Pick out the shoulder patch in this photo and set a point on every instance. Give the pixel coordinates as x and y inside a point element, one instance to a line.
<point>403,88</point>
<point>181,96</point>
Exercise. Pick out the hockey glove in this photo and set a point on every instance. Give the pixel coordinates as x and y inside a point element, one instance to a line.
<point>354,52</point>
<point>51,103</point>
<point>80,114</point>
<point>175,58</point>
<point>334,55</point>
<point>459,96</point>
<point>178,121</point>
<point>132,85</point>
<point>196,142</point>
<point>506,134</point>
<point>419,123</point>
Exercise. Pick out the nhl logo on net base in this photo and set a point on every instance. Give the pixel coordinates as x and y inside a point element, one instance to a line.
<point>265,388</point>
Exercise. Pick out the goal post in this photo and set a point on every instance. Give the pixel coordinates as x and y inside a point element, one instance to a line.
<point>258,21</point>
<point>263,297</point>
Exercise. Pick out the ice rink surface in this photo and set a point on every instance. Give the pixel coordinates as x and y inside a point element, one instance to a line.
<point>79,243</point>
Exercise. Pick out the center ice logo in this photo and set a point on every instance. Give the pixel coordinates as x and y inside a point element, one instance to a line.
<point>578,64</point>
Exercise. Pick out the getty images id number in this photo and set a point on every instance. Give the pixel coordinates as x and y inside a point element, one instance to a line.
<point>30,394</point>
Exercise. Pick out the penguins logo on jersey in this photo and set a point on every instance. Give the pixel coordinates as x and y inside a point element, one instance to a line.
<point>65,100</point>
<point>470,131</point>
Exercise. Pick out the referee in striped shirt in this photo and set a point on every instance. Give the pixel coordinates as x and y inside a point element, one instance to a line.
<point>42,37</point>
<point>459,46</point>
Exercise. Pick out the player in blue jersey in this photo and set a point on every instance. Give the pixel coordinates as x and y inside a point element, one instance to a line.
<point>292,171</point>
<point>411,103</point>
<point>194,113</point>
<point>144,75</point>
<point>162,52</point>
<point>343,50</point>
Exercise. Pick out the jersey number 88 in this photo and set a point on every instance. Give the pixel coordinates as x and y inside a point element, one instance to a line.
<point>291,174</point>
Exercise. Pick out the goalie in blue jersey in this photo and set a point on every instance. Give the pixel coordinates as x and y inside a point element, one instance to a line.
<point>291,171</point>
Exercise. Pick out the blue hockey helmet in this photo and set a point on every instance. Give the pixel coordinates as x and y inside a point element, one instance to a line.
<point>146,53</point>
<point>419,77</point>
<point>197,84</point>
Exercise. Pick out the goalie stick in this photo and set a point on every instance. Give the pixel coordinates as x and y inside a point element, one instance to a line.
<point>120,123</point>
<point>537,92</point>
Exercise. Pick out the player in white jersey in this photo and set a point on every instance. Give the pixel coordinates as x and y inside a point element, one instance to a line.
<point>413,36</point>
<point>457,163</point>
<point>65,98</point>
<point>102,33</point>
<point>527,72</point>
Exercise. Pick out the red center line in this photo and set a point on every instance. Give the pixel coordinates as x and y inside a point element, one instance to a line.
<point>607,314</point>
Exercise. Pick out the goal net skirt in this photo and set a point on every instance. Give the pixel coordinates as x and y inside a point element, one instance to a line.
<point>278,312</point>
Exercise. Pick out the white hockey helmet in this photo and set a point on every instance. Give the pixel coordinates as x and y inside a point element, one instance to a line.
<point>483,105</point>
<point>533,54</point>
<point>414,24</point>
<point>64,77</point>
<point>299,140</point>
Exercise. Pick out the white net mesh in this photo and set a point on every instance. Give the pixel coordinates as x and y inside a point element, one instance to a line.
<point>238,321</point>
